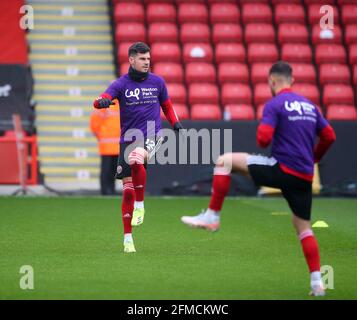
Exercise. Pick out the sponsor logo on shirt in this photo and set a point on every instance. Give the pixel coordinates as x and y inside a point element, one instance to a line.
<point>132,93</point>
<point>305,110</point>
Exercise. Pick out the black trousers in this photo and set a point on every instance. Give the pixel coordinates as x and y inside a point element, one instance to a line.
<point>108,169</point>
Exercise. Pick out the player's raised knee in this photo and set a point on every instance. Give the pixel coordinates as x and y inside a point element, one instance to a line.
<point>136,157</point>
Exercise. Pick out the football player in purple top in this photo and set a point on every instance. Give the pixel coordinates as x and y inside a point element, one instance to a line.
<point>290,122</point>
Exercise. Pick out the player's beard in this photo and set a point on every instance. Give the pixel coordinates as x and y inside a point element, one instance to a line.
<point>136,75</point>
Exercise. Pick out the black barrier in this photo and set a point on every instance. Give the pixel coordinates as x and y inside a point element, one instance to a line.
<point>15,95</point>
<point>338,170</point>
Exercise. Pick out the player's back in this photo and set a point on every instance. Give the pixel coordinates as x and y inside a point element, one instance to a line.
<point>297,121</point>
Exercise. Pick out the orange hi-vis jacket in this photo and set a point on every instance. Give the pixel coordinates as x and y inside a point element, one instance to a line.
<point>105,125</point>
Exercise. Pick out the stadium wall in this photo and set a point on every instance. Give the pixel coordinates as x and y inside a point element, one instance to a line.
<point>338,169</point>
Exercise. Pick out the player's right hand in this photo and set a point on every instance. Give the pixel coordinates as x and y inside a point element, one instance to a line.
<point>103,101</point>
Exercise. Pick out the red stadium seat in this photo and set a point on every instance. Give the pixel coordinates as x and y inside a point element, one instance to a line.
<point>330,53</point>
<point>197,52</point>
<point>304,73</point>
<point>289,13</point>
<point>326,35</point>
<point>230,52</point>
<point>163,32</point>
<point>260,110</point>
<point>292,33</point>
<point>341,112</point>
<point>262,93</point>
<point>200,72</point>
<point>123,51</point>
<point>296,53</point>
<point>260,72</point>
<point>309,2</point>
<point>158,1</point>
<point>166,52</point>
<point>206,112</point>
<point>337,94</point>
<point>203,93</point>
<point>334,73</point>
<point>285,1</point>
<point>239,112</point>
<point>211,2</point>
<point>124,67</point>
<point>189,1</point>
<point>192,12</point>
<point>177,92</point>
<point>351,33</point>
<point>355,74</point>
<point>181,111</point>
<point>262,52</point>
<point>256,13</point>
<point>227,32</point>
<point>309,91</point>
<point>259,32</point>
<point>130,32</point>
<point>233,93</point>
<point>224,13</point>
<point>314,15</point>
<point>129,12</point>
<point>171,72</point>
<point>349,14</point>
<point>195,32</point>
<point>161,12</point>
<point>353,54</point>
<point>252,1</point>
<point>233,72</point>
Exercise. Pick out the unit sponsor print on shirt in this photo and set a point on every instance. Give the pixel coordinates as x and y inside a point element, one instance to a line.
<point>306,111</point>
<point>141,95</point>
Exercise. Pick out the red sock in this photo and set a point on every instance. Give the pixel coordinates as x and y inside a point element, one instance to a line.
<point>220,188</point>
<point>138,174</point>
<point>311,250</point>
<point>127,205</point>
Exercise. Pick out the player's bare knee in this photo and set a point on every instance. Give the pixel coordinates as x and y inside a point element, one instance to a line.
<point>137,156</point>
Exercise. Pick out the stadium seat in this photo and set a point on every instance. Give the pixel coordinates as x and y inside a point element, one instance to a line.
<point>256,13</point>
<point>124,67</point>
<point>338,94</point>
<point>129,12</point>
<point>230,52</point>
<point>262,93</point>
<point>341,112</point>
<point>177,92</point>
<point>355,74</point>
<point>166,52</point>
<point>262,52</point>
<point>296,53</point>
<point>200,72</point>
<point>252,1</point>
<point>233,93</point>
<point>227,32</point>
<point>309,2</point>
<point>181,111</point>
<point>304,73</point>
<point>239,112</point>
<point>351,33</point>
<point>203,93</point>
<point>259,32</point>
<point>334,73</point>
<point>195,32</point>
<point>197,52</point>
<point>308,90</point>
<point>289,13</point>
<point>330,53</point>
<point>130,32</point>
<point>292,33</point>
<point>171,72</point>
<point>206,112</point>
<point>123,51</point>
<point>285,1</point>
<point>161,12</point>
<point>211,2</point>
<point>158,1</point>
<point>192,12</point>
<point>349,14</point>
<point>163,32</point>
<point>314,15</point>
<point>189,1</point>
<point>260,72</point>
<point>224,13</point>
<point>353,54</point>
<point>326,35</point>
<point>233,72</point>
<point>260,110</point>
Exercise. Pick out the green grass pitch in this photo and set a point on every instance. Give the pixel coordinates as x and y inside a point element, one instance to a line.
<point>75,248</point>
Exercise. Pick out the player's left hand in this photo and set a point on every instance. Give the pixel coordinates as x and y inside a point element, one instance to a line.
<point>180,129</point>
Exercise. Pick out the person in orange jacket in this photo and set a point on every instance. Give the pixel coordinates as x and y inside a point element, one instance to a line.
<point>105,125</point>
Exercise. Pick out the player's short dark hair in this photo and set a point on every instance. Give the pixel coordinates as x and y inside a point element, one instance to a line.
<point>281,68</point>
<point>138,47</point>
